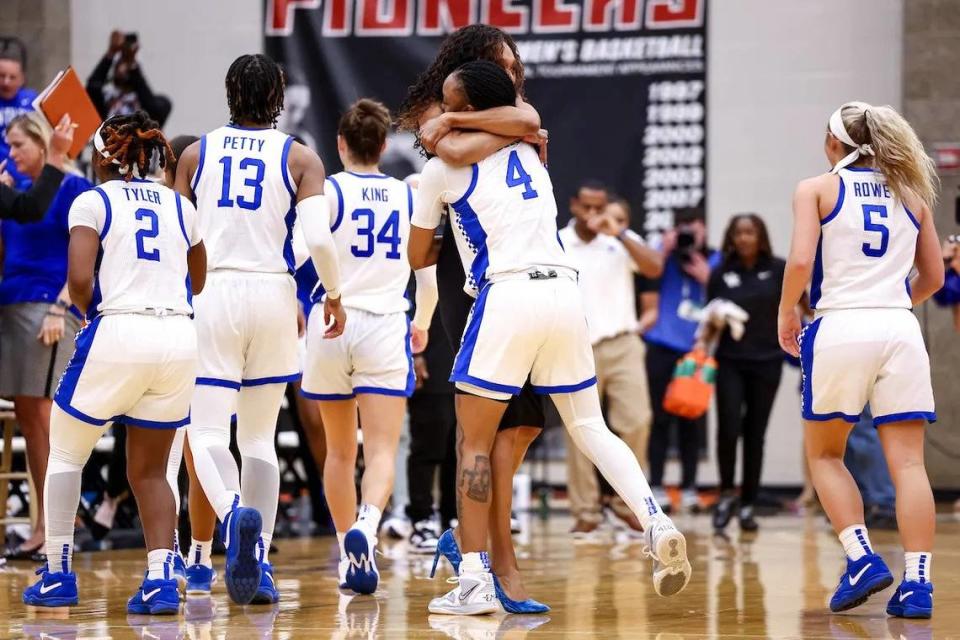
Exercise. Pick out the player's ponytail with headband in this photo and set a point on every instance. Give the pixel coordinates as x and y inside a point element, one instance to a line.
<point>129,143</point>
<point>897,152</point>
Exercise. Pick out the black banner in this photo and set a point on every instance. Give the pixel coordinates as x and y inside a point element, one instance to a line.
<point>620,84</point>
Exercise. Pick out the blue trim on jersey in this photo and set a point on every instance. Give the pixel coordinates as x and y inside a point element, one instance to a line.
<point>817,281</point>
<point>369,176</point>
<point>108,218</point>
<point>236,126</point>
<point>97,298</point>
<point>290,219</point>
<point>906,282</point>
<point>411,374</point>
<point>477,238</point>
<point>336,187</point>
<point>71,374</point>
<point>473,185</point>
<point>410,200</point>
<point>284,169</point>
<point>196,176</point>
<point>861,169</point>
<point>326,396</point>
<point>461,365</point>
<point>80,415</point>
<point>565,388</point>
<point>401,393</point>
<point>183,229</point>
<point>929,416</point>
<point>485,384</point>
<point>256,382</point>
<point>219,382</point>
<point>152,424</point>
<point>838,206</point>
<point>807,340</point>
<point>912,217</point>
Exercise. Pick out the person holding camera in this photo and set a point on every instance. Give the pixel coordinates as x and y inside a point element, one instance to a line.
<point>117,85</point>
<point>686,272</point>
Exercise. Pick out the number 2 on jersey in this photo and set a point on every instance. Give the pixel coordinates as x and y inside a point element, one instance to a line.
<point>255,182</point>
<point>389,234</point>
<point>152,230</point>
<point>875,227</point>
<point>516,176</point>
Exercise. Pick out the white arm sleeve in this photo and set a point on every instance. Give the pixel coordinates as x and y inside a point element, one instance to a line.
<point>314,215</point>
<point>429,207</point>
<point>300,251</point>
<point>426,296</point>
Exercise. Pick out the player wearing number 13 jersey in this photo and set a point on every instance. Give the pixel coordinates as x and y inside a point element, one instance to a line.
<point>859,231</point>
<point>250,183</point>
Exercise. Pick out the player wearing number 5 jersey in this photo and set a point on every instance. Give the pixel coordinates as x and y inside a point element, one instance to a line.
<point>135,259</point>
<point>250,183</point>
<point>859,231</point>
<point>527,320</point>
<point>370,366</point>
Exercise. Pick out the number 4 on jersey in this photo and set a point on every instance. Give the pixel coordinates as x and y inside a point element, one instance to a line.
<point>517,176</point>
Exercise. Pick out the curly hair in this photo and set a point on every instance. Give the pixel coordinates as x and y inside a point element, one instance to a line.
<point>255,85</point>
<point>364,128</point>
<point>131,141</point>
<point>468,44</point>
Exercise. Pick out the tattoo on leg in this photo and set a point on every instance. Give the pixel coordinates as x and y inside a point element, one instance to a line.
<point>477,479</point>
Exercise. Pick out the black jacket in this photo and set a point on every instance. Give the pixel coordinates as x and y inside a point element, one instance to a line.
<point>31,205</point>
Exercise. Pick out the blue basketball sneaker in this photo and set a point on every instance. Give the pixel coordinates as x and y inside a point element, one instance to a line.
<point>862,579</point>
<point>200,580</point>
<point>362,575</point>
<point>448,548</point>
<point>52,590</point>
<point>267,593</point>
<point>155,597</point>
<point>912,599</point>
<point>179,571</point>
<point>517,606</point>
<point>241,534</point>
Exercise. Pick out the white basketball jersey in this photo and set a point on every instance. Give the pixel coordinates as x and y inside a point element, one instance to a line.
<point>867,247</point>
<point>371,228</point>
<point>246,199</point>
<point>507,219</point>
<point>145,232</point>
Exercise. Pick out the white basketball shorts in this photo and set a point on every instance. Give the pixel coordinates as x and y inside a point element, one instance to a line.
<point>247,329</point>
<point>371,356</point>
<point>133,369</point>
<point>520,327</point>
<point>855,356</point>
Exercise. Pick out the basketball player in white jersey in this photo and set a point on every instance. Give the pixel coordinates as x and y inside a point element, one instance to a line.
<point>250,183</point>
<point>370,366</point>
<point>135,260</point>
<point>859,231</point>
<point>527,320</point>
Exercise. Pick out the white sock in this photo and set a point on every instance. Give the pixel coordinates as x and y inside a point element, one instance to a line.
<point>369,517</point>
<point>59,552</point>
<point>917,566</point>
<point>176,541</point>
<point>855,541</point>
<point>160,564</point>
<point>200,553</point>
<point>475,562</point>
<point>340,537</point>
<point>263,546</point>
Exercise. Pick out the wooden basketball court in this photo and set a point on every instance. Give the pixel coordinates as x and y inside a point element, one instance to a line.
<point>774,584</point>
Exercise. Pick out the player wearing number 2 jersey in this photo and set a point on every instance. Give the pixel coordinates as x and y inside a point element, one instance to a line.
<point>250,183</point>
<point>135,259</point>
<point>858,233</point>
<point>370,366</point>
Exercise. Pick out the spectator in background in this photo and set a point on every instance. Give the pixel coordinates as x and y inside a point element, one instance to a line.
<point>37,326</point>
<point>686,271</point>
<point>15,99</point>
<point>608,254</point>
<point>864,458</point>
<point>748,369</point>
<point>117,85</point>
<point>32,204</point>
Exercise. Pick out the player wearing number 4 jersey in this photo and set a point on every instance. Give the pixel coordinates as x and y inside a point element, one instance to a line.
<point>858,233</point>
<point>135,259</point>
<point>527,321</point>
<point>370,366</point>
<point>250,183</point>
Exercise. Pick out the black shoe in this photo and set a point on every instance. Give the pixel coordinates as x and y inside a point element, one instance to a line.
<point>883,518</point>
<point>723,511</point>
<point>747,521</point>
<point>17,552</point>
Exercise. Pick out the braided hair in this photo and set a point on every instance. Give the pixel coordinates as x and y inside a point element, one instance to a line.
<point>486,85</point>
<point>255,86</point>
<point>473,42</point>
<point>132,141</point>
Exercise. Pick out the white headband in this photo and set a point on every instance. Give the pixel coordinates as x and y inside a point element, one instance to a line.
<point>101,148</point>
<point>839,132</point>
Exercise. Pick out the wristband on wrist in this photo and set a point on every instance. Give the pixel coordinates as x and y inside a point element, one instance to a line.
<point>333,294</point>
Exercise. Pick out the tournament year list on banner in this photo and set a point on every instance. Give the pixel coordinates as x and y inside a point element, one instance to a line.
<point>620,84</point>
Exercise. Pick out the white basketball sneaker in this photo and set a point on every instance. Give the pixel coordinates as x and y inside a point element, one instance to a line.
<point>668,548</point>
<point>474,594</point>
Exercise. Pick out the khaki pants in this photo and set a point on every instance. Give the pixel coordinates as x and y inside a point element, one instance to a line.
<point>622,384</point>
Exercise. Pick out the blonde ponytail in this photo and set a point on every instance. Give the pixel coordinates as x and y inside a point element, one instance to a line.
<point>897,151</point>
